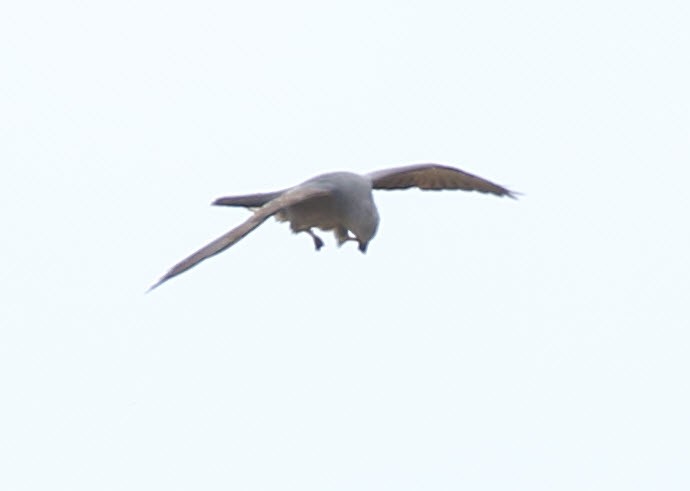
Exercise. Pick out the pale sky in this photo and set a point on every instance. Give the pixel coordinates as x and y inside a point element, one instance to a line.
<point>481,343</point>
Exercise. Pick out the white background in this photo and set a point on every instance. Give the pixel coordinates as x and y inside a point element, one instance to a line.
<point>481,343</point>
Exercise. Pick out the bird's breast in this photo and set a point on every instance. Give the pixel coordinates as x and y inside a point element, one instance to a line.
<point>320,213</point>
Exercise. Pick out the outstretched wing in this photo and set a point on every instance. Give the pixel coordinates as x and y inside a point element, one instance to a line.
<point>288,198</point>
<point>434,177</point>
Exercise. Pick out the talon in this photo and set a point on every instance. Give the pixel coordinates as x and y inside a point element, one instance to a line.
<point>318,243</point>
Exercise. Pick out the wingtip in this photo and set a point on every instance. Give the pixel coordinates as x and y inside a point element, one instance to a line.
<point>155,285</point>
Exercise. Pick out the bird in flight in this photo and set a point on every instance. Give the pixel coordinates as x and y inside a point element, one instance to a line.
<point>338,201</point>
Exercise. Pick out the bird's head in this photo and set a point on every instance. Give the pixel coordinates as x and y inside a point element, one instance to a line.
<point>364,228</point>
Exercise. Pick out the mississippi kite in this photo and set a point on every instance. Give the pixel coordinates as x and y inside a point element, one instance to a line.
<point>338,201</point>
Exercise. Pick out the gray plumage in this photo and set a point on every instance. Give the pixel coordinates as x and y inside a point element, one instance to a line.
<point>339,201</point>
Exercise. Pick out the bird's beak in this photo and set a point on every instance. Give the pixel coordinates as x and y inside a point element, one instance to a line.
<point>363,247</point>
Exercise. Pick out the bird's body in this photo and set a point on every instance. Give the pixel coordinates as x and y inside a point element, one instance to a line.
<point>348,207</point>
<point>338,201</point>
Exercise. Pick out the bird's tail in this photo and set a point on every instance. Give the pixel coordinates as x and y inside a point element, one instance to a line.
<point>247,200</point>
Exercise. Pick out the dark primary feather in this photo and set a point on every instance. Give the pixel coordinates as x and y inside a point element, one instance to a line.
<point>288,198</point>
<point>434,177</point>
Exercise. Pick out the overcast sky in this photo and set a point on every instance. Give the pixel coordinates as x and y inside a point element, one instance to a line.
<point>481,343</point>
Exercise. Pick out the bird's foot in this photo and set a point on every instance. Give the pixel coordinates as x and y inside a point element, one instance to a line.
<point>343,235</point>
<point>318,243</point>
